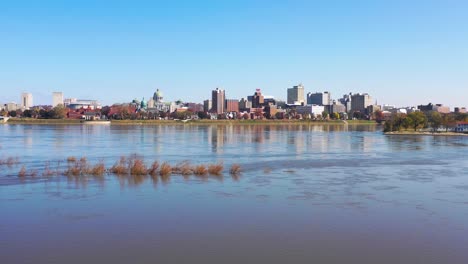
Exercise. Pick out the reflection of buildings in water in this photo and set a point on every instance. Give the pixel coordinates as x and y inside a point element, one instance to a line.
<point>216,133</point>
<point>362,143</point>
<point>28,137</point>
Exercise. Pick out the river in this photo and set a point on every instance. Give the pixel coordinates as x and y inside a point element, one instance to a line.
<point>306,194</point>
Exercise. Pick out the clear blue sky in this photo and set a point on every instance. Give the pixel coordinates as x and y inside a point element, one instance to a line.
<point>401,52</point>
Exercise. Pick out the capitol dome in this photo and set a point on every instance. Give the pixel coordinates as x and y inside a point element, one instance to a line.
<point>158,96</point>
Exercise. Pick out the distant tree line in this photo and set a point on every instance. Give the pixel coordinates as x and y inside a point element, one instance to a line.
<point>57,112</point>
<point>420,120</point>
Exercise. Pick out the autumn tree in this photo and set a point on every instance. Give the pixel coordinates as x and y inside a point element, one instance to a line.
<point>417,120</point>
<point>435,120</point>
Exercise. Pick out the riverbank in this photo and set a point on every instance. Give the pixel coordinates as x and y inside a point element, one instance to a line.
<point>34,121</point>
<point>424,133</point>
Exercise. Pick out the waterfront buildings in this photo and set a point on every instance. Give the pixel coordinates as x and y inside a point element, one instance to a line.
<point>218,98</point>
<point>460,110</point>
<point>315,110</point>
<point>57,98</point>
<point>434,107</point>
<point>257,99</point>
<point>158,96</point>
<point>462,127</point>
<point>244,104</point>
<point>207,105</point>
<point>360,102</point>
<point>26,100</point>
<point>337,107</point>
<point>346,101</point>
<point>318,98</point>
<point>232,105</point>
<point>11,107</point>
<point>74,103</point>
<point>296,95</point>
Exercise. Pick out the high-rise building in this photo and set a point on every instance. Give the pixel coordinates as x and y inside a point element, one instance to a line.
<point>232,105</point>
<point>57,98</point>
<point>360,102</point>
<point>296,95</point>
<point>218,98</point>
<point>26,100</point>
<point>337,107</point>
<point>460,110</point>
<point>244,104</point>
<point>207,105</point>
<point>258,100</point>
<point>318,98</point>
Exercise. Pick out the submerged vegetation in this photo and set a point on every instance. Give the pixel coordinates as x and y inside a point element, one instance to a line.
<point>133,168</point>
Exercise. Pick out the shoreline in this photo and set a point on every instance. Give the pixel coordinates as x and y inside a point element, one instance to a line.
<point>29,121</point>
<point>419,133</point>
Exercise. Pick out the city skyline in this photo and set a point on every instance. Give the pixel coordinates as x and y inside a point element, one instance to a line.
<point>402,53</point>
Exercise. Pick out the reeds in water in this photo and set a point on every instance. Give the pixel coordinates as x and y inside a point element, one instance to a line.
<point>200,170</point>
<point>10,161</point>
<point>120,167</point>
<point>215,169</point>
<point>137,167</point>
<point>71,159</point>
<point>153,169</point>
<point>98,169</point>
<point>165,169</point>
<point>23,172</point>
<point>235,169</point>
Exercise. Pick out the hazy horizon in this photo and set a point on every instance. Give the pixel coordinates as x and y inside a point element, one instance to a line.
<point>400,53</point>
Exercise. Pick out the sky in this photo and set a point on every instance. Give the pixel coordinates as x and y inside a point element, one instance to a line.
<point>402,53</point>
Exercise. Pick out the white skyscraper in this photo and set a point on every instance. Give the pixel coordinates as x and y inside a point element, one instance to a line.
<point>57,98</point>
<point>26,100</point>
<point>296,95</point>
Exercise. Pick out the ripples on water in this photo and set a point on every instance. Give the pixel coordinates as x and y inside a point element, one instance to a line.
<point>306,193</point>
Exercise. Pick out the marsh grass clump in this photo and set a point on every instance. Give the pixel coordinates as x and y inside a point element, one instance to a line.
<point>165,169</point>
<point>200,170</point>
<point>80,167</point>
<point>22,173</point>
<point>184,168</point>
<point>71,159</point>
<point>47,171</point>
<point>235,169</point>
<point>215,169</point>
<point>137,167</point>
<point>98,169</point>
<point>153,169</point>
<point>120,167</point>
<point>10,161</point>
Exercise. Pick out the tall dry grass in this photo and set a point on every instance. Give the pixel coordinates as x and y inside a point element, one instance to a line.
<point>153,169</point>
<point>200,170</point>
<point>137,167</point>
<point>216,169</point>
<point>165,169</point>
<point>120,167</point>
<point>235,169</point>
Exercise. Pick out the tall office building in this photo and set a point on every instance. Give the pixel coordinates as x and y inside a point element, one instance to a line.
<point>218,100</point>
<point>232,105</point>
<point>258,100</point>
<point>360,102</point>
<point>296,95</point>
<point>318,98</point>
<point>207,105</point>
<point>26,100</point>
<point>57,98</point>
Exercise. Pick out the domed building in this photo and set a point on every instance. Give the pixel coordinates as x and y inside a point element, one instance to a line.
<point>143,104</point>
<point>158,96</point>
